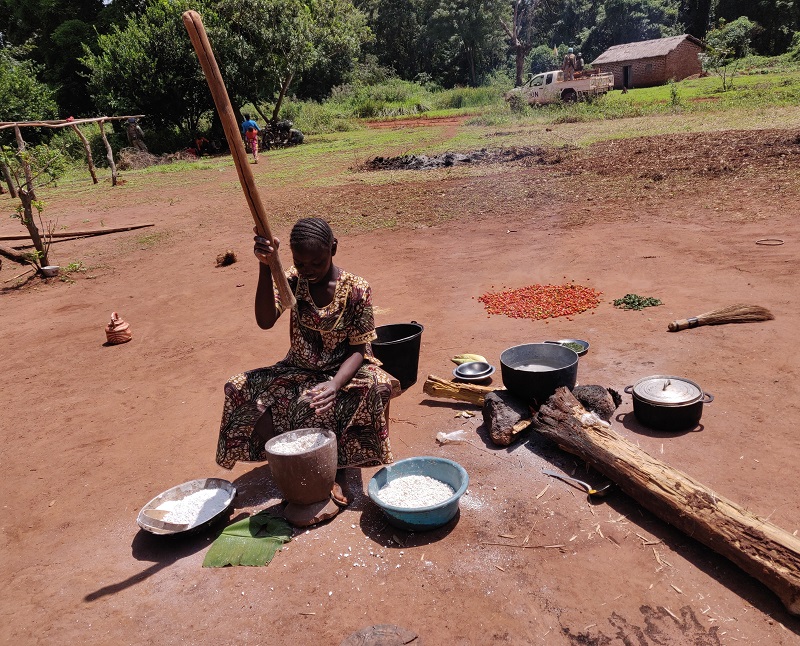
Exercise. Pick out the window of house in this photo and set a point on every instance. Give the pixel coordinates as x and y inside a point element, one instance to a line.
<point>648,68</point>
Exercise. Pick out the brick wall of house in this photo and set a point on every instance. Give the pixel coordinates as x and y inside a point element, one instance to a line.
<point>683,61</point>
<point>644,72</point>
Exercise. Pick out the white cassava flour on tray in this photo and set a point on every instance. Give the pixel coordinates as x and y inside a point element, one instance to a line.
<point>196,508</point>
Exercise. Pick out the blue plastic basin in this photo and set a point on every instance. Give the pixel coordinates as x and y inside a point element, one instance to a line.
<point>421,518</point>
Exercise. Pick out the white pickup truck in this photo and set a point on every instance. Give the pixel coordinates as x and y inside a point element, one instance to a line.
<point>550,87</point>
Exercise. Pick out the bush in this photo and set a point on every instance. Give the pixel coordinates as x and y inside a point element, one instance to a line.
<point>541,59</point>
<point>314,118</point>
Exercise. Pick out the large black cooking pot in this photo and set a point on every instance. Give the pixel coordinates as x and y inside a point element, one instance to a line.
<point>533,371</point>
<point>668,403</point>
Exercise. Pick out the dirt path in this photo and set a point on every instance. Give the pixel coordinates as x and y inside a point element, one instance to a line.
<point>91,432</point>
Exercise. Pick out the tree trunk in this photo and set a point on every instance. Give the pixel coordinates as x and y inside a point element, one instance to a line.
<point>471,59</point>
<point>12,189</point>
<point>760,548</point>
<point>109,154</point>
<point>520,52</point>
<point>88,149</point>
<point>27,196</point>
<point>279,102</point>
<point>260,111</point>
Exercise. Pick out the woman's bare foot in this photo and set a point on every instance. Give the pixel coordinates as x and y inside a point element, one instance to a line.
<point>337,495</point>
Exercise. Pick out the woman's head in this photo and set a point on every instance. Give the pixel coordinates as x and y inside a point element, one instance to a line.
<point>313,247</point>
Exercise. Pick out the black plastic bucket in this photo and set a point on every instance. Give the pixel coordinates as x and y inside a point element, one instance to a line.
<point>397,348</point>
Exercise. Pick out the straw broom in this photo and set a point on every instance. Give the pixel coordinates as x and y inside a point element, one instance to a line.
<point>732,314</point>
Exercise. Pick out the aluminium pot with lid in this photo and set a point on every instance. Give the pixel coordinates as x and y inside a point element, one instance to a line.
<point>668,403</point>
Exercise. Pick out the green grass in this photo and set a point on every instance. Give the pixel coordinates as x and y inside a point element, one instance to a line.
<point>765,92</point>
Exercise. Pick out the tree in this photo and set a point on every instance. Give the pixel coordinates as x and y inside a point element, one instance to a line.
<point>696,16</point>
<point>24,98</point>
<point>543,59</point>
<point>725,47</point>
<point>269,43</point>
<point>521,32</point>
<point>400,36</point>
<point>56,31</point>
<point>472,33</point>
<point>777,21</point>
<point>148,66</point>
<point>628,21</point>
<point>568,21</point>
<point>31,167</point>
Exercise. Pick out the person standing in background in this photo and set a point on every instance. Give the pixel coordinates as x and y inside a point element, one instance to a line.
<point>135,135</point>
<point>568,67</point>
<point>250,131</point>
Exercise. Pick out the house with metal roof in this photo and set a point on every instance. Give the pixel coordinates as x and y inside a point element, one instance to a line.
<point>651,62</point>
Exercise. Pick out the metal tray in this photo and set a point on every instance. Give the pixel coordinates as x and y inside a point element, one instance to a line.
<point>180,492</point>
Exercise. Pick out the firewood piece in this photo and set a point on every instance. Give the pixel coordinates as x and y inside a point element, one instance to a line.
<point>763,550</point>
<point>597,399</point>
<point>437,387</point>
<point>505,416</point>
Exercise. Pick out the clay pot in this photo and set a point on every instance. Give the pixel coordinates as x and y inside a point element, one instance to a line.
<point>307,477</point>
<point>118,331</point>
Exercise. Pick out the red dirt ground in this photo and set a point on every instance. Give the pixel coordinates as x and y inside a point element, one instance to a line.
<point>91,432</point>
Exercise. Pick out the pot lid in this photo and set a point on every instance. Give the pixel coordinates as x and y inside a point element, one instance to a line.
<point>664,390</point>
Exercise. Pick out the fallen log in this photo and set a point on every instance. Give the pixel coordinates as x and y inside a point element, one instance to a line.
<point>83,233</point>
<point>16,256</point>
<point>763,550</point>
<point>437,387</point>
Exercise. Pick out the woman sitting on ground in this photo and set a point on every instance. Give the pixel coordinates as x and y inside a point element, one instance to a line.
<point>329,378</point>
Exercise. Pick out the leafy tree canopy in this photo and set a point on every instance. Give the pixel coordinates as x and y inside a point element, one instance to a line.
<point>24,98</point>
<point>472,35</point>
<point>271,43</point>
<point>148,66</point>
<point>725,46</point>
<point>627,21</point>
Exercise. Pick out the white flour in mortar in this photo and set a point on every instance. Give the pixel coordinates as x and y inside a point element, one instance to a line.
<point>293,444</point>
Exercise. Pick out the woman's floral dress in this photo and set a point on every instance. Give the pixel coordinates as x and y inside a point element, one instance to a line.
<point>320,337</point>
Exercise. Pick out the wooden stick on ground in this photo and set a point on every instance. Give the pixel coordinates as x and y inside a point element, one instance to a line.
<point>84,232</point>
<point>760,548</point>
<point>437,387</point>
<point>27,271</point>
<point>199,38</point>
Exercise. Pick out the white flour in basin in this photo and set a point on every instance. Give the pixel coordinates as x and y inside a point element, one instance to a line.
<point>415,491</point>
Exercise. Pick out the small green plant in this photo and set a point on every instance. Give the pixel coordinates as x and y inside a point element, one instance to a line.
<point>674,96</point>
<point>73,267</point>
